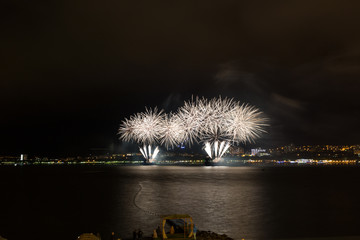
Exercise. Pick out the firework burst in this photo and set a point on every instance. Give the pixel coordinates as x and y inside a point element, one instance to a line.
<point>222,121</point>
<point>149,127</point>
<point>217,123</point>
<point>245,123</point>
<point>172,131</point>
<point>192,118</point>
<point>129,127</point>
<point>145,129</point>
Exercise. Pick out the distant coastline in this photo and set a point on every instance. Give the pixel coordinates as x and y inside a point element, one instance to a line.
<point>226,162</point>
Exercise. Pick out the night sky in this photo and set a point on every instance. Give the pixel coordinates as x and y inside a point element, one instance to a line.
<point>72,70</point>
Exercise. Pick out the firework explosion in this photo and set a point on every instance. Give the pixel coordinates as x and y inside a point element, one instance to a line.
<point>191,117</point>
<point>218,123</point>
<point>245,123</point>
<point>145,129</point>
<point>172,131</point>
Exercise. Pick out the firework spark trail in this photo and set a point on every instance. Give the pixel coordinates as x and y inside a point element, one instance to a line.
<point>208,149</point>
<point>217,149</point>
<point>156,151</point>
<point>221,146</point>
<point>225,149</point>
<point>142,152</point>
<point>149,152</point>
<point>216,143</point>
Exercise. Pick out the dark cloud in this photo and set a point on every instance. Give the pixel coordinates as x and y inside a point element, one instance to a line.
<point>288,102</point>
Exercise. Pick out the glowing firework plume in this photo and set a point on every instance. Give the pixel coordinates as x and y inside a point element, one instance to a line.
<point>216,150</point>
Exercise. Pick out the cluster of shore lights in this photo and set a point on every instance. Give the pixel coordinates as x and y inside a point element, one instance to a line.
<point>216,123</point>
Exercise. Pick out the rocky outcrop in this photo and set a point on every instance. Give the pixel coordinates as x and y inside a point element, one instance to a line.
<point>208,235</point>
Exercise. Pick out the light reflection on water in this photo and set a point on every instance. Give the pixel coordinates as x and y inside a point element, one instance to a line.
<point>242,202</point>
<point>220,199</point>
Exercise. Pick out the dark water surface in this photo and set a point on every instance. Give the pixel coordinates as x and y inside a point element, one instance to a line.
<point>61,202</point>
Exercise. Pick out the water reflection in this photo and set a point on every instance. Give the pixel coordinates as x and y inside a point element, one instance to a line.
<point>224,200</point>
<point>253,203</point>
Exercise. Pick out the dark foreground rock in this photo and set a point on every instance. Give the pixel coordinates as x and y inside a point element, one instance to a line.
<point>208,235</point>
<point>200,235</point>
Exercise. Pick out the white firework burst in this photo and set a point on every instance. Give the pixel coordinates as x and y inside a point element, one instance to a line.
<point>129,127</point>
<point>245,123</point>
<point>217,123</point>
<point>214,132</point>
<point>145,129</point>
<point>192,118</point>
<point>173,131</point>
<point>215,112</point>
<point>148,128</point>
<point>224,121</point>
